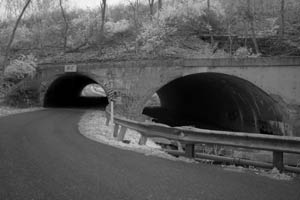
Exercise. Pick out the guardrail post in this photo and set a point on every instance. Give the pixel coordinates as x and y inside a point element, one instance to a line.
<point>278,160</point>
<point>190,150</point>
<point>143,140</point>
<point>107,119</point>
<point>112,112</point>
<point>116,129</point>
<point>122,133</point>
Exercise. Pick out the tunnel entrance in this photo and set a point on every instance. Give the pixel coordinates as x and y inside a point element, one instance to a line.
<point>75,91</point>
<point>215,101</point>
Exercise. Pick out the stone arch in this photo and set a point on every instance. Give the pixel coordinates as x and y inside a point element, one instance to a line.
<point>50,81</point>
<point>251,109</point>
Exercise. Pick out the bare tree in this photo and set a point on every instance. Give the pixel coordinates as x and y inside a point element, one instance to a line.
<point>282,13</point>
<point>135,8</point>
<point>103,14</point>
<point>251,19</point>
<point>66,28</point>
<point>12,36</point>
<point>245,32</point>
<point>209,23</point>
<point>230,38</point>
<point>151,7</point>
<point>160,4</point>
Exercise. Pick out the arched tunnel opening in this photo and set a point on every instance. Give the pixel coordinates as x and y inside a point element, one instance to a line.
<point>216,101</point>
<point>75,91</point>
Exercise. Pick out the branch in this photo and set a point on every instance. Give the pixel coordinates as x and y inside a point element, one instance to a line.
<point>66,23</point>
<point>7,51</point>
<point>103,13</point>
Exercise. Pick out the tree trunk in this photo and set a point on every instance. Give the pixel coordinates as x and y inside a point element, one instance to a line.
<point>254,38</point>
<point>103,14</point>
<point>210,27</point>
<point>136,21</point>
<point>159,4</point>
<point>245,33</point>
<point>65,34</point>
<point>12,36</point>
<point>282,12</point>
<point>251,18</point>
<point>151,7</point>
<point>230,38</point>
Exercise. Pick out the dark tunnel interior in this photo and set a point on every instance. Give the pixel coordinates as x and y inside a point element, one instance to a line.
<point>215,101</point>
<point>66,92</point>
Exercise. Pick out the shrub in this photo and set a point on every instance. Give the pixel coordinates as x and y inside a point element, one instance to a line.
<point>22,97</point>
<point>84,28</point>
<point>20,68</point>
<point>182,19</point>
<point>154,35</point>
<point>243,52</point>
<point>121,26</point>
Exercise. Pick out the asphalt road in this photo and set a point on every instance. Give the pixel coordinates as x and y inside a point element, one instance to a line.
<point>43,156</point>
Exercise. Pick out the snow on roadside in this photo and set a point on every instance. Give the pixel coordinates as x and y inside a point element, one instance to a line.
<point>92,125</point>
<point>273,174</point>
<point>5,110</point>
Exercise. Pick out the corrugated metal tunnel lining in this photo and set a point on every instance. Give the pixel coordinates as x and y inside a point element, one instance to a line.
<point>216,101</point>
<point>66,91</point>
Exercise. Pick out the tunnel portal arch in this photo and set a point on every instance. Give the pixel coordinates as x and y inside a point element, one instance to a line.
<point>65,90</point>
<point>218,101</point>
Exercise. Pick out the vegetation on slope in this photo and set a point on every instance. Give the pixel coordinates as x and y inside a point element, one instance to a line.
<point>52,31</point>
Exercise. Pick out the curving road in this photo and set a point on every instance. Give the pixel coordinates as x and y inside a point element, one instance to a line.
<point>43,156</point>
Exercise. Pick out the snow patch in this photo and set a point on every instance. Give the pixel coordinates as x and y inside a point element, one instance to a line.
<point>5,110</point>
<point>273,174</point>
<point>234,168</point>
<point>92,125</point>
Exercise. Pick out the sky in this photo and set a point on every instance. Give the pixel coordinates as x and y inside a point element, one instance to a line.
<point>93,3</point>
<point>79,4</point>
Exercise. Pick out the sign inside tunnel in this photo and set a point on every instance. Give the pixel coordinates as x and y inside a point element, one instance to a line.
<point>70,68</point>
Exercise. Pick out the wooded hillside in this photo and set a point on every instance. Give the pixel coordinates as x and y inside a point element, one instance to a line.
<point>33,31</point>
<point>53,32</point>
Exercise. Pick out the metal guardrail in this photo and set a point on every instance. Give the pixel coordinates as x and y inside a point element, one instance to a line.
<point>191,136</point>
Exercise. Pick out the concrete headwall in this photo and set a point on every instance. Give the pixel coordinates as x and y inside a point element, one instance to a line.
<point>134,82</point>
